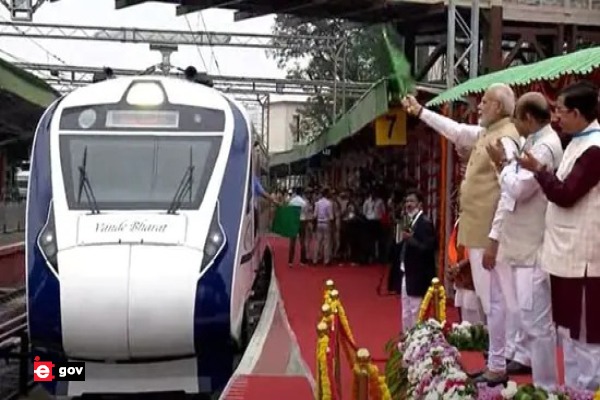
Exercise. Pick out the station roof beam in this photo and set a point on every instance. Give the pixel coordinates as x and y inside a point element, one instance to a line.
<point>66,77</point>
<point>370,11</point>
<point>164,37</point>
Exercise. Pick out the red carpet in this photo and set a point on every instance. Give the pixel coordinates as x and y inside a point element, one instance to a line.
<point>374,319</point>
<point>266,387</point>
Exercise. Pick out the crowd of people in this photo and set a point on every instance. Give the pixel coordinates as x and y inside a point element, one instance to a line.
<point>525,248</point>
<point>341,226</point>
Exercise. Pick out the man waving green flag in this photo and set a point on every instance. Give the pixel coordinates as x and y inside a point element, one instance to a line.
<point>287,221</point>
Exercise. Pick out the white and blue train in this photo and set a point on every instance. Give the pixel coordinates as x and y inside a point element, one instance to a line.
<point>142,247</point>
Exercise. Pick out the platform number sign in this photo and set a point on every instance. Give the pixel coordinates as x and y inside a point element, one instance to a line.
<point>390,128</point>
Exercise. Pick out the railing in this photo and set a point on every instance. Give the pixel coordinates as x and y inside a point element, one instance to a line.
<point>14,344</point>
<point>335,334</point>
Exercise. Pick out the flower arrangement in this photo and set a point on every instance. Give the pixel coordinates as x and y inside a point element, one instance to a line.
<point>468,337</point>
<point>429,367</point>
<point>424,365</point>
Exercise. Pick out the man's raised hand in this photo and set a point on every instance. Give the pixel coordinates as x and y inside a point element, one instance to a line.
<point>411,105</point>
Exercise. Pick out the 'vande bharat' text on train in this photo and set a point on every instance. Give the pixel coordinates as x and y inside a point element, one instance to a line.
<point>130,226</point>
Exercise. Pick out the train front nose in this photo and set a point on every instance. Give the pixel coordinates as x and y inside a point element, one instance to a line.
<point>128,301</point>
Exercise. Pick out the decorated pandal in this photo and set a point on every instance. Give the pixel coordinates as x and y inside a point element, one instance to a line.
<point>423,364</point>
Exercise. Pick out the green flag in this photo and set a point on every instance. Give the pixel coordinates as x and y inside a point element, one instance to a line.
<point>400,80</point>
<point>287,221</point>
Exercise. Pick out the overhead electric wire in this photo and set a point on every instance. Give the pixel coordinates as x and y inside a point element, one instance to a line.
<point>48,52</point>
<point>212,49</point>
<point>197,47</point>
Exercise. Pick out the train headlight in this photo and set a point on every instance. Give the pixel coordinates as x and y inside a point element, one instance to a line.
<point>87,118</point>
<point>215,242</point>
<point>145,94</point>
<point>47,241</point>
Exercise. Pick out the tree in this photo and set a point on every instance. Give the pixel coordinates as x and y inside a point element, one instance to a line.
<point>363,47</point>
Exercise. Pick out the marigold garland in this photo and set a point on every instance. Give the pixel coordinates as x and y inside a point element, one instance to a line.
<point>425,304</point>
<point>337,308</point>
<point>442,303</point>
<point>378,388</point>
<point>427,301</point>
<point>324,383</point>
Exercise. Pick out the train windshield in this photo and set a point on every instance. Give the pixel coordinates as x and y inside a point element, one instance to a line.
<point>136,172</point>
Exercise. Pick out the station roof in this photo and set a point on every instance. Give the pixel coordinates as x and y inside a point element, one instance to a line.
<point>582,62</point>
<point>353,10</point>
<point>23,98</point>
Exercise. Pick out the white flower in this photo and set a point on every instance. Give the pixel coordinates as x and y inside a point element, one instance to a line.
<point>510,390</point>
<point>552,396</point>
<point>432,396</point>
<point>441,387</point>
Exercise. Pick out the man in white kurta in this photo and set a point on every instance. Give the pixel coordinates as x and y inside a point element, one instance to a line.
<point>522,238</point>
<point>571,249</point>
<point>483,207</point>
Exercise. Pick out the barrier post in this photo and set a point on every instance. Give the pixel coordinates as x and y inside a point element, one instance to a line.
<point>335,296</point>
<point>436,299</point>
<point>363,359</point>
<point>322,329</point>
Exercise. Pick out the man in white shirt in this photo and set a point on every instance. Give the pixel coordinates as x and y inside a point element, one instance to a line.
<point>483,206</point>
<point>324,219</point>
<point>373,209</point>
<point>522,238</point>
<point>298,200</point>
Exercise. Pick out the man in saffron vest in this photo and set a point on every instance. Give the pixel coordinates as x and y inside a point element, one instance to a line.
<point>482,209</point>
<point>459,271</point>
<point>522,238</point>
<point>571,249</point>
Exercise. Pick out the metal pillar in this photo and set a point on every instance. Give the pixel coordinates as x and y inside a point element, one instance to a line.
<point>468,35</point>
<point>268,106</point>
<point>452,61</point>
<point>475,44</point>
<point>341,48</point>
<point>450,80</point>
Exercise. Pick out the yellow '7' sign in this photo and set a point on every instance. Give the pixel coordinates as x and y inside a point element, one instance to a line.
<point>390,129</point>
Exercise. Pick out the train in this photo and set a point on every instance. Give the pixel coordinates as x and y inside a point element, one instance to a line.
<point>145,243</point>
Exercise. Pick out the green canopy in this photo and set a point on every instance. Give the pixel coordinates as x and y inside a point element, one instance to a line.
<point>581,62</point>
<point>25,85</point>
<point>371,105</point>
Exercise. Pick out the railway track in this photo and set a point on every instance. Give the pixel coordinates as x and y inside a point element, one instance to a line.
<point>14,364</point>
